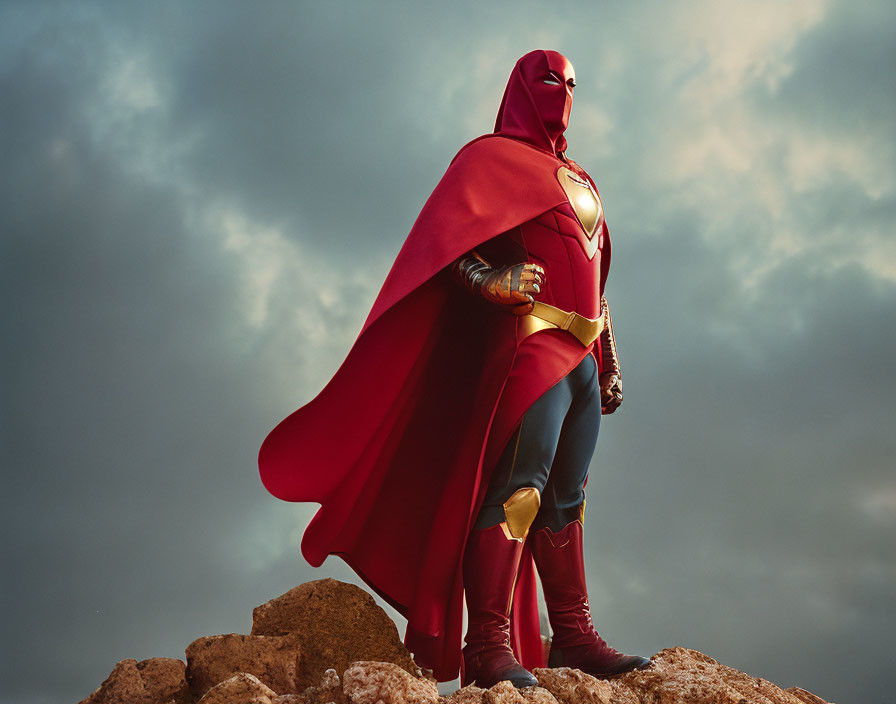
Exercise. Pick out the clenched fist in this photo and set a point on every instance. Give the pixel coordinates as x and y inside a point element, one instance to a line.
<point>510,286</point>
<point>610,392</point>
<point>514,285</point>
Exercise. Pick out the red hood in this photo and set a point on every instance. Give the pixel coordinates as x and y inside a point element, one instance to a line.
<point>532,110</point>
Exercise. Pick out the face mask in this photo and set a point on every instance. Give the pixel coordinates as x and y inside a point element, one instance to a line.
<point>551,85</point>
<point>538,100</point>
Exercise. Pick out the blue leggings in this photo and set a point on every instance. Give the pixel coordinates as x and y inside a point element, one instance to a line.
<point>550,450</point>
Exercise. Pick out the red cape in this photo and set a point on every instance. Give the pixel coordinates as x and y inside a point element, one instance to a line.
<point>399,445</point>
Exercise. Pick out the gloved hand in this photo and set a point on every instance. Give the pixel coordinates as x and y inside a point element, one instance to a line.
<point>610,393</point>
<point>611,376</point>
<point>510,286</point>
<point>513,286</point>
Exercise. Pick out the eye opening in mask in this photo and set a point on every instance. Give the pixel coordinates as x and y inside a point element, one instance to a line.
<point>551,81</point>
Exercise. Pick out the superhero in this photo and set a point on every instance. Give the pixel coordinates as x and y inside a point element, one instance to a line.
<point>450,451</point>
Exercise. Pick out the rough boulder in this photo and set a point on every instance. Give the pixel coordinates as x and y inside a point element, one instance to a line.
<point>327,642</point>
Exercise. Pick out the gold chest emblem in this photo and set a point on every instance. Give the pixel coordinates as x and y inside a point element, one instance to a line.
<point>584,201</point>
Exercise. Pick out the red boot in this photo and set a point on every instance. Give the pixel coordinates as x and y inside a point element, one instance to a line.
<point>490,566</point>
<point>560,561</point>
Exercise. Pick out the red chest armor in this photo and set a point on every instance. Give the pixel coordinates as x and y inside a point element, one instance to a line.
<point>575,263</point>
<point>572,261</point>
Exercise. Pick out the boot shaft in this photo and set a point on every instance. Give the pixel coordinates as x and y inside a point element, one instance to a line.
<point>559,558</point>
<point>490,566</point>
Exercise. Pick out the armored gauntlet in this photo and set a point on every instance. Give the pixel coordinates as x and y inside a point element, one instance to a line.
<point>510,286</point>
<point>611,374</point>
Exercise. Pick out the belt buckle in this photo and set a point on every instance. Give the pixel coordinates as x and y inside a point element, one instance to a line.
<point>585,329</point>
<point>571,319</point>
<point>579,327</point>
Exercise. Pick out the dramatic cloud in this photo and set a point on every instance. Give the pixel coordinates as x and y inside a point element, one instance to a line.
<point>199,203</point>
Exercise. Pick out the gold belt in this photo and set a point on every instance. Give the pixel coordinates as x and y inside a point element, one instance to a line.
<point>544,317</point>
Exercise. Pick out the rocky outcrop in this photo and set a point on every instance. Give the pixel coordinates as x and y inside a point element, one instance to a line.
<point>337,624</point>
<point>501,693</point>
<point>805,696</point>
<point>329,691</point>
<point>328,642</point>
<point>153,681</point>
<point>675,676</point>
<point>374,682</point>
<point>273,660</point>
<point>242,688</point>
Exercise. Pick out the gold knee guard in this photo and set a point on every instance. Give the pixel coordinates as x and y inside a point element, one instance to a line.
<point>519,512</point>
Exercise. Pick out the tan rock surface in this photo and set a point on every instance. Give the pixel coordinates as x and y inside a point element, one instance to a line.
<point>807,697</point>
<point>275,660</point>
<point>466,695</point>
<point>302,640</point>
<point>338,623</point>
<point>503,693</point>
<point>538,695</point>
<point>575,687</point>
<point>242,688</point>
<point>386,683</point>
<point>676,676</point>
<point>152,681</point>
<point>329,690</point>
<point>506,693</point>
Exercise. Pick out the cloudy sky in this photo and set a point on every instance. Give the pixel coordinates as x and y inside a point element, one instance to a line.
<point>200,201</point>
